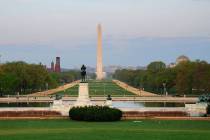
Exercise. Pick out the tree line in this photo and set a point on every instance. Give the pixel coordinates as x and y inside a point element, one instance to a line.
<point>185,78</point>
<point>23,78</point>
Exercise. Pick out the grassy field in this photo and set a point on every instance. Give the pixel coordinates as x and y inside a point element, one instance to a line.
<point>123,130</point>
<point>99,88</point>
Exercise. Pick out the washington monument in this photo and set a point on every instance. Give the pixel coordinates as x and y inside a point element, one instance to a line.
<point>99,65</point>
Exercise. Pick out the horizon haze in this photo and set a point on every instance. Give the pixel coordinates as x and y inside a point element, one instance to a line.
<point>135,32</point>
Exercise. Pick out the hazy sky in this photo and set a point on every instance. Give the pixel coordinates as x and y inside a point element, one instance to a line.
<point>135,32</point>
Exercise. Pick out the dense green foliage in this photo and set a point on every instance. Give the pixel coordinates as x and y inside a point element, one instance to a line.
<point>121,130</point>
<point>95,113</point>
<point>66,77</point>
<point>185,78</point>
<point>99,88</point>
<point>156,66</point>
<point>23,78</point>
<point>193,77</point>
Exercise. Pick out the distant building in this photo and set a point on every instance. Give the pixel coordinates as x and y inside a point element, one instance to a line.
<point>57,65</point>
<point>52,68</point>
<point>172,65</point>
<point>182,58</point>
<point>179,59</point>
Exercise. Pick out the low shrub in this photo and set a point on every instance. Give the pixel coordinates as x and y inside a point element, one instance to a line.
<point>204,98</point>
<point>95,113</point>
<point>208,109</point>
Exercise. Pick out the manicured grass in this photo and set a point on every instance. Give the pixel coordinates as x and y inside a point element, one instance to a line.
<point>99,88</point>
<point>106,88</point>
<point>123,130</point>
<point>73,91</point>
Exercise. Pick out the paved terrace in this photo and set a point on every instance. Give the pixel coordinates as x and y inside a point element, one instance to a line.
<point>47,96</point>
<point>132,98</point>
<point>52,91</point>
<point>132,89</point>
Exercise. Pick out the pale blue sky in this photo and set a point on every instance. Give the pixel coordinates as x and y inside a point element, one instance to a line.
<point>135,32</point>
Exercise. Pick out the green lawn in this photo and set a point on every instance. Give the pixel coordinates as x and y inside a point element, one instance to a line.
<point>99,88</point>
<point>73,91</point>
<point>123,130</point>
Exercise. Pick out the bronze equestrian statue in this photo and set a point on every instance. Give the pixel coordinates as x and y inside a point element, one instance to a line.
<point>83,73</point>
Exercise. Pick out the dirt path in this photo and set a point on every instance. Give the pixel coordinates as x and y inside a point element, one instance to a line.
<point>133,90</point>
<point>52,91</point>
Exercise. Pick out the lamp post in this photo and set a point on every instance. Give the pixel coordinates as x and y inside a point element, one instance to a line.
<point>140,91</point>
<point>141,88</point>
<point>164,89</point>
<point>125,90</point>
<point>46,85</point>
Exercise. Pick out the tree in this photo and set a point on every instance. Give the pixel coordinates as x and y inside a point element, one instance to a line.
<point>201,76</point>
<point>8,82</point>
<point>185,78</point>
<point>156,66</point>
<point>24,78</point>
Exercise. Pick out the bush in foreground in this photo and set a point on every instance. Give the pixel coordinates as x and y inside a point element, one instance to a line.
<point>95,113</point>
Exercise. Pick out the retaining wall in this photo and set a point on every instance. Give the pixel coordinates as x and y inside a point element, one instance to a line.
<point>37,113</point>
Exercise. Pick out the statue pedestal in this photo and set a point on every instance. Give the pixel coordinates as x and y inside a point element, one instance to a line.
<point>108,103</point>
<point>83,97</point>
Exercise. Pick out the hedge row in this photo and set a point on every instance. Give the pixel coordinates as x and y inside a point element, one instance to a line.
<point>95,113</point>
<point>204,98</point>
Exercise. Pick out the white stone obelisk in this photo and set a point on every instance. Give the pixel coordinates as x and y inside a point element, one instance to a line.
<point>99,65</point>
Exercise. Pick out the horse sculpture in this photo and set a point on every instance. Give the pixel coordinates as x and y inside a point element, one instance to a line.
<point>83,73</point>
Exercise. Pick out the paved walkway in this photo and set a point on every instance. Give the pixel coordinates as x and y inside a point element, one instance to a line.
<point>133,90</point>
<point>100,99</point>
<point>52,91</point>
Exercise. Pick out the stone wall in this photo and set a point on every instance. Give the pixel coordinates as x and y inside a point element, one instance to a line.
<point>40,113</point>
<point>196,110</point>
<point>136,114</point>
